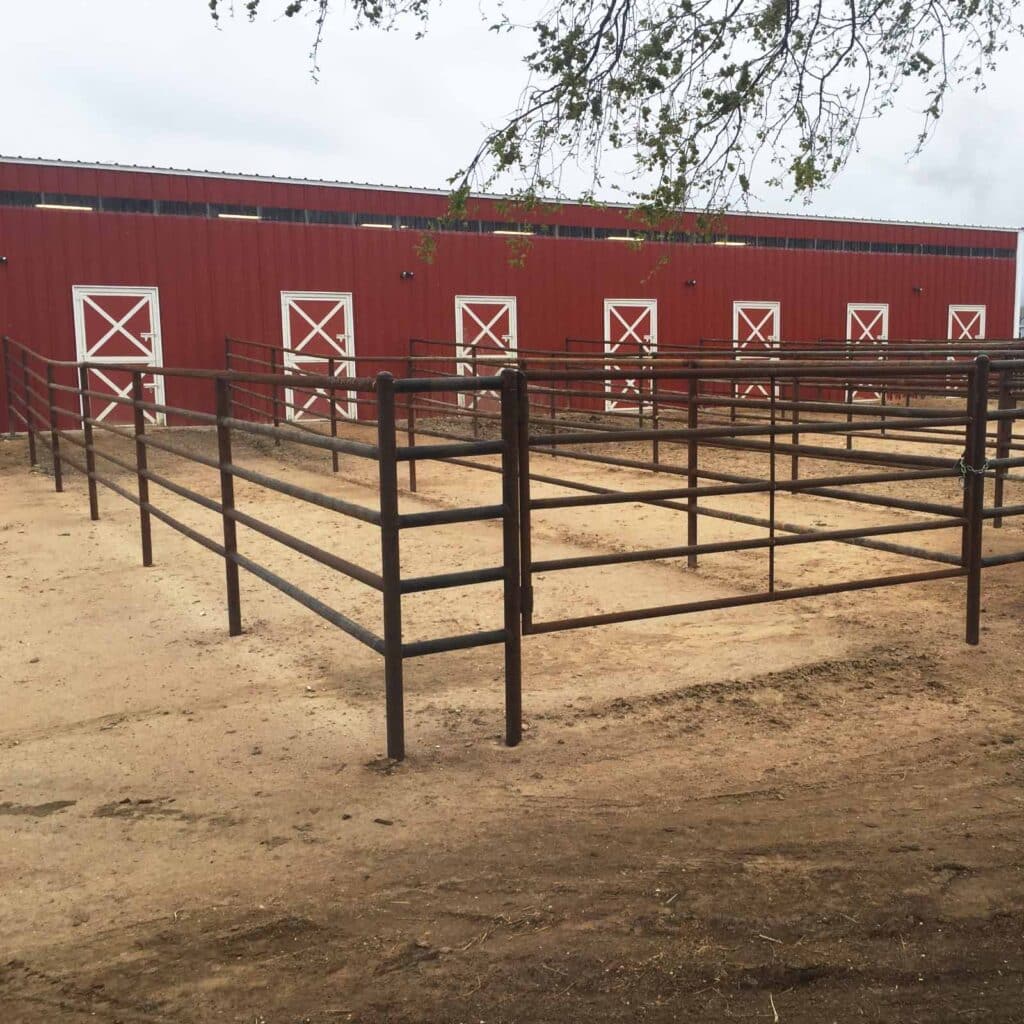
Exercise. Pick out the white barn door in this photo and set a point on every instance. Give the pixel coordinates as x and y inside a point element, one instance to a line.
<point>630,331</point>
<point>756,329</point>
<point>316,326</point>
<point>115,324</point>
<point>966,323</point>
<point>485,325</point>
<point>867,325</point>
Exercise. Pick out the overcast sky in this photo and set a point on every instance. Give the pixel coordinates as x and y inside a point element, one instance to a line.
<point>153,82</point>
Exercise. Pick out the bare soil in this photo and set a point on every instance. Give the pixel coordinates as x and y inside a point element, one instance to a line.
<point>802,812</point>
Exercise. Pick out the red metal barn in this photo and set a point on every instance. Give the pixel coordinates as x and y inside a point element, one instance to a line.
<point>158,266</point>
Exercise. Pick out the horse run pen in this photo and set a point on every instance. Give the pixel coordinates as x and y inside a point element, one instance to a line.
<point>920,415</point>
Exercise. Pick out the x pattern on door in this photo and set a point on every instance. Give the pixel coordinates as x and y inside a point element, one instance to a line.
<point>630,330</point>
<point>755,331</point>
<point>966,323</point>
<point>118,325</point>
<point>867,324</point>
<point>316,327</point>
<point>485,325</point>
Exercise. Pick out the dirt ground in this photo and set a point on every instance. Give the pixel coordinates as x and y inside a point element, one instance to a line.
<point>799,813</point>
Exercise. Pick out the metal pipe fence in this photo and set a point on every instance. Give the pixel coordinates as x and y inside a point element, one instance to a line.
<point>534,408</point>
<point>33,396</point>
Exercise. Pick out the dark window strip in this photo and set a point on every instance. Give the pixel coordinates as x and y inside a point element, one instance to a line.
<point>279,214</point>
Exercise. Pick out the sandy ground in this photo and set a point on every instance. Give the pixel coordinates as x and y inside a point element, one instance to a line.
<point>802,812</point>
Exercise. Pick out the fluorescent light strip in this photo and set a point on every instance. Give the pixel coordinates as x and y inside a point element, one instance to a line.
<point>499,231</point>
<point>63,206</point>
<point>623,238</point>
<point>726,242</point>
<point>238,216</point>
<point>372,225</point>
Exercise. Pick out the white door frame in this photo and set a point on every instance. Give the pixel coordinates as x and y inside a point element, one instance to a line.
<point>875,314</point>
<point>81,294</point>
<point>760,341</point>
<point>627,332</point>
<point>961,331</point>
<point>295,358</point>
<point>856,322</point>
<point>507,343</point>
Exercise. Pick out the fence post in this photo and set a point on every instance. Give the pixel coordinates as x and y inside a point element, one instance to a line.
<point>58,475</point>
<point>387,462</point>
<point>691,465</point>
<point>227,502</point>
<point>331,397</point>
<point>1004,434</point>
<point>974,493</point>
<point>28,410</point>
<point>476,394</point>
<point>525,540</point>
<point>772,479</point>
<point>274,392</point>
<point>90,451</point>
<point>410,421</point>
<point>142,468</point>
<point>794,471</point>
<point>7,385</point>
<point>512,385</point>
<point>655,384</point>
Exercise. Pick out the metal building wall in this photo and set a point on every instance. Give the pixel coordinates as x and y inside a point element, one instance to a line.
<point>218,277</point>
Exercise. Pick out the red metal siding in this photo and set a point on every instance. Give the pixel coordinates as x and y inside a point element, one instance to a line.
<point>220,277</point>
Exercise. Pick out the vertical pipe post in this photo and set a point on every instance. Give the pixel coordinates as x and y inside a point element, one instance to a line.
<point>275,391</point>
<point>476,394</point>
<point>525,539</point>
<point>849,404</point>
<point>974,493</point>
<point>410,422</point>
<point>794,470</point>
<point>772,445</point>
<point>655,453</point>
<point>28,410</point>
<point>142,468</point>
<point>1004,432</point>
<point>331,397</point>
<point>7,385</point>
<point>227,503</point>
<point>90,450</point>
<point>691,465</point>
<point>512,385</point>
<point>387,462</point>
<point>51,411</point>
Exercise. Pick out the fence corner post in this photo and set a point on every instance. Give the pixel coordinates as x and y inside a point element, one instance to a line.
<point>85,406</point>
<point>387,464</point>
<point>692,453</point>
<point>227,505</point>
<point>1004,438</point>
<point>142,468</point>
<point>51,410</point>
<point>275,395</point>
<point>974,494</point>
<point>6,347</point>
<point>512,387</point>
<point>29,413</point>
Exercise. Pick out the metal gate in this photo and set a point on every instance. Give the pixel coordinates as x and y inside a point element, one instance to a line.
<point>630,331</point>
<point>756,329</point>
<point>118,324</point>
<point>966,323</point>
<point>867,324</point>
<point>317,327</point>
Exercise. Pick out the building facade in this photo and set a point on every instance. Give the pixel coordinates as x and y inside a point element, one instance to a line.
<point>158,266</point>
